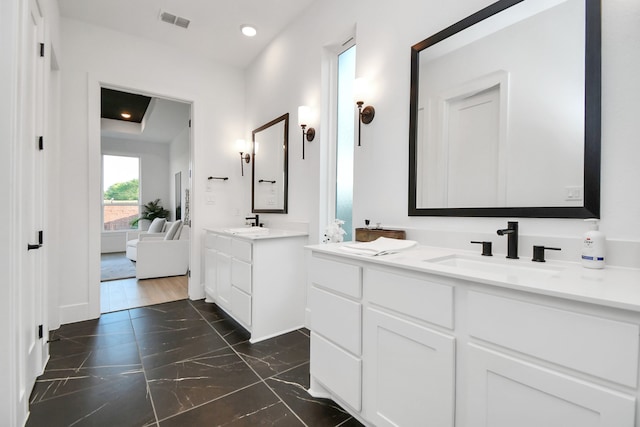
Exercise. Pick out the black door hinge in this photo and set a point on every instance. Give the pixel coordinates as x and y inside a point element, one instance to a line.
<point>40,143</point>
<point>189,122</point>
<point>42,50</point>
<point>188,273</point>
<point>40,332</point>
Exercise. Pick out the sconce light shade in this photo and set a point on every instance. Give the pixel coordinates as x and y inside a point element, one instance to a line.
<point>304,115</point>
<point>360,89</point>
<point>304,118</point>
<point>366,114</point>
<point>241,145</point>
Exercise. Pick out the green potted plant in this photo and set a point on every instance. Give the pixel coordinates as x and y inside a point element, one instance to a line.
<point>151,211</point>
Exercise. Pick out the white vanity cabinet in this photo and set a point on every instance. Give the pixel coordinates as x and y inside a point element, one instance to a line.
<point>409,347</point>
<point>257,281</point>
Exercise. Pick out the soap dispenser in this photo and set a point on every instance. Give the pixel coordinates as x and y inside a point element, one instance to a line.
<point>593,246</point>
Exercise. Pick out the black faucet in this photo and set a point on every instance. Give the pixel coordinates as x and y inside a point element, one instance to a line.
<point>512,239</point>
<point>256,219</point>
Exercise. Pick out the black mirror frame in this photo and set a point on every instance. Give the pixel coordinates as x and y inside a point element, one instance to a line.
<point>285,118</point>
<point>592,123</point>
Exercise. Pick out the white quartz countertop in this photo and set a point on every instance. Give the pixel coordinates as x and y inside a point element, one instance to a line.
<point>272,233</point>
<point>612,286</point>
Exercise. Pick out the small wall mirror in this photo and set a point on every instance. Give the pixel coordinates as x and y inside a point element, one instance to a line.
<point>505,113</point>
<point>270,166</point>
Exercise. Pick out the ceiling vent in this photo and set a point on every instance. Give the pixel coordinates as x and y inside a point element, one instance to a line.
<point>170,18</point>
<point>182,22</point>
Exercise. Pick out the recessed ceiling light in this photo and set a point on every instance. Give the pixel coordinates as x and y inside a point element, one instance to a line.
<point>125,115</point>
<point>248,30</point>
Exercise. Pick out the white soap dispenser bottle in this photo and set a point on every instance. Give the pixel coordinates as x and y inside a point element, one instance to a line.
<point>593,246</point>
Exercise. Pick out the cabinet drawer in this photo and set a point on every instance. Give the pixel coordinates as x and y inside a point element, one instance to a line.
<point>337,276</point>
<point>337,370</point>
<point>241,250</point>
<point>222,244</point>
<point>241,275</point>
<point>336,318</point>
<point>594,345</point>
<point>422,299</point>
<point>241,305</point>
<point>210,240</point>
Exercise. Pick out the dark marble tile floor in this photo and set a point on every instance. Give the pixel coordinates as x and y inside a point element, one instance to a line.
<point>183,363</point>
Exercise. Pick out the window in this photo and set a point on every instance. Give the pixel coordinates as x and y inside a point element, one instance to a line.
<point>121,192</point>
<point>344,140</point>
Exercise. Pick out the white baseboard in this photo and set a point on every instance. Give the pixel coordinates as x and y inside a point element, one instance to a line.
<point>74,313</point>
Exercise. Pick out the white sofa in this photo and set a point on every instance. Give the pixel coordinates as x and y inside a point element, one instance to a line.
<point>157,257</point>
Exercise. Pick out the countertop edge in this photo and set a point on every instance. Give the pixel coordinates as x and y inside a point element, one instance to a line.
<point>615,287</point>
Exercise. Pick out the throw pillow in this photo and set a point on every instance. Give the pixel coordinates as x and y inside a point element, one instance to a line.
<point>157,225</point>
<point>178,233</point>
<point>171,232</point>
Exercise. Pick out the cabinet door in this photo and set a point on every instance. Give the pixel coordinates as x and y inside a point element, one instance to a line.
<point>409,377</point>
<point>241,275</point>
<point>504,392</point>
<point>223,279</point>
<point>241,305</point>
<point>210,273</point>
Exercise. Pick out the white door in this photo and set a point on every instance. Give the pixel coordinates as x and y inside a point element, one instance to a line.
<point>32,346</point>
<point>505,392</point>
<point>472,150</point>
<point>409,373</point>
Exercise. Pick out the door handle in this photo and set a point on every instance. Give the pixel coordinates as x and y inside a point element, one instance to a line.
<point>32,246</point>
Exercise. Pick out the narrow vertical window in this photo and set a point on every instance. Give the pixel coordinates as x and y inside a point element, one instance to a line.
<point>121,192</point>
<point>344,140</point>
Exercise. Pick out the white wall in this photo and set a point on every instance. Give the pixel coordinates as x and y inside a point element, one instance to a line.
<point>9,37</point>
<point>288,72</point>
<point>217,95</point>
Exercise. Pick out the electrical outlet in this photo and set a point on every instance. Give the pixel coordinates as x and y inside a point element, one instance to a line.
<point>573,194</point>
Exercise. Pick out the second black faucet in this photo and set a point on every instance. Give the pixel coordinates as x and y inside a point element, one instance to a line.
<point>256,218</point>
<point>512,239</point>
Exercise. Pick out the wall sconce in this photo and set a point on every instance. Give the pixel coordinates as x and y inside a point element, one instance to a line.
<point>245,157</point>
<point>366,114</point>
<point>304,118</point>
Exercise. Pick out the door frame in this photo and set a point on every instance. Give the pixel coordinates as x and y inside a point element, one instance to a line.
<point>94,159</point>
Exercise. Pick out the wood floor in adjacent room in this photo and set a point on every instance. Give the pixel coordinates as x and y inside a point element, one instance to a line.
<point>124,294</point>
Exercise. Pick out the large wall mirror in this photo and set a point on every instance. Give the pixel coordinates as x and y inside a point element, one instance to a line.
<point>270,166</point>
<point>505,113</point>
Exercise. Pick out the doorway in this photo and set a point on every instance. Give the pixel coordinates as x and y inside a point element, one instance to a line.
<point>145,144</point>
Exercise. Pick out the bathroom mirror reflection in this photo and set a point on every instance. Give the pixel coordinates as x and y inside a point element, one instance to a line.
<point>270,166</point>
<point>505,113</point>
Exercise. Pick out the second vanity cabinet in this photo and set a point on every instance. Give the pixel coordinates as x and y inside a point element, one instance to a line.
<point>257,281</point>
<point>429,350</point>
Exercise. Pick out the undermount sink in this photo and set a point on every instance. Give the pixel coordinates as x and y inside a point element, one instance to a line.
<point>248,230</point>
<point>512,269</point>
